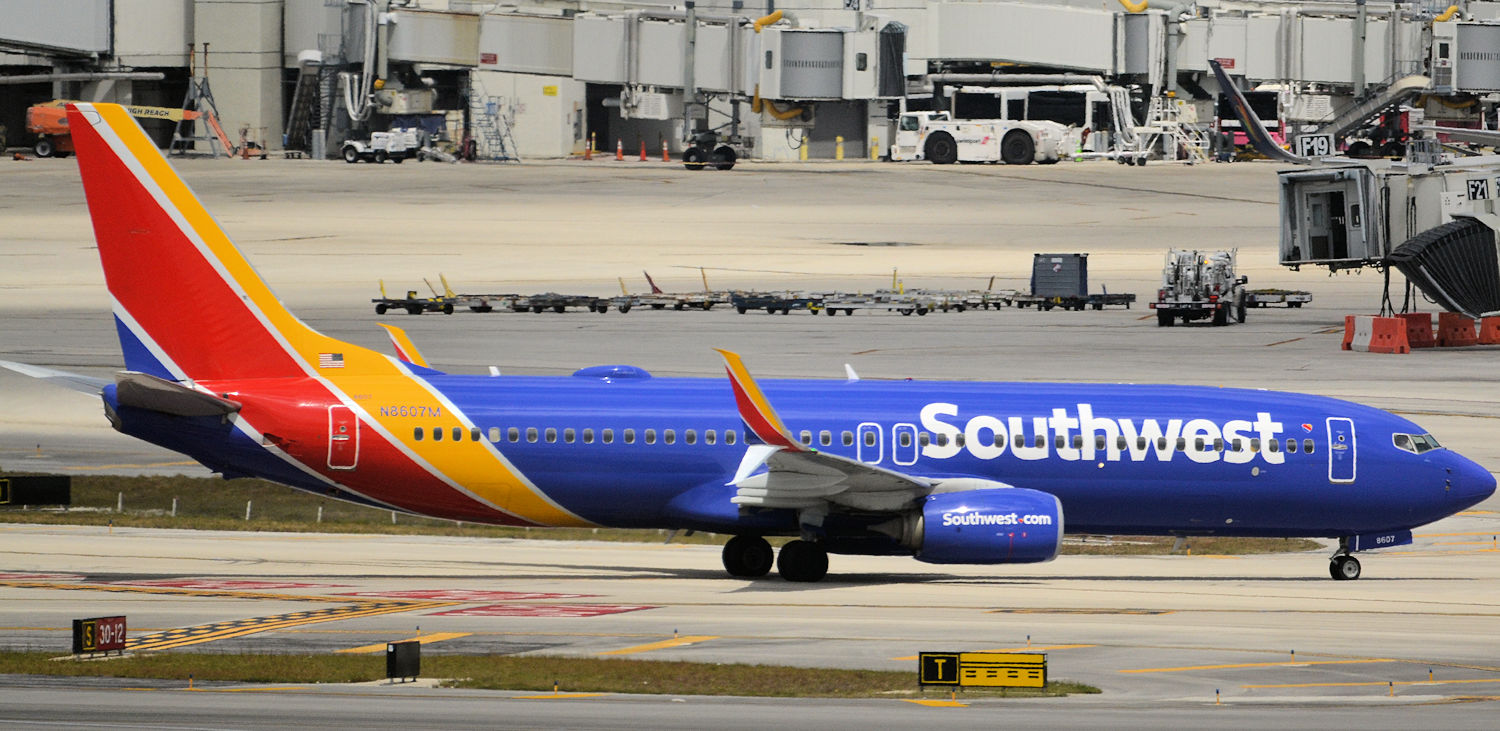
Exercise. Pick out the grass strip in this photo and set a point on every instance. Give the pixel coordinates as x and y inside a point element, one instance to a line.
<point>511,672</point>
<point>216,504</point>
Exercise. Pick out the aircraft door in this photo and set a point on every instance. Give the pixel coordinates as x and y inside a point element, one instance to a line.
<point>904,444</point>
<point>1341,450</point>
<point>870,443</point>
<point>343,438</point>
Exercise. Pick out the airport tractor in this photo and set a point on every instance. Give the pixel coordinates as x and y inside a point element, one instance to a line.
<point>938,137</point>
<point>1197,285</point>
<point>395,145</point>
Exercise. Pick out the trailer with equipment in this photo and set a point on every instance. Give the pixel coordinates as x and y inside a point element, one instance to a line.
<point>1199,285</point>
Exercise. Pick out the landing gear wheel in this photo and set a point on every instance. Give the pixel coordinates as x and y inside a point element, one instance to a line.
<point>748,556</point>
<point>1017,148</point>
<point>802,561</point>
<point>1344,568</point>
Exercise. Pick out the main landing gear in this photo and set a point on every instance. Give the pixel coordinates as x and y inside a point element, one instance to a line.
<point>750,557</point>
<point>1343,566</point>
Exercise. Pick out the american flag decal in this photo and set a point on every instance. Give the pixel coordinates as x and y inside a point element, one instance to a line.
<point>330,360</point>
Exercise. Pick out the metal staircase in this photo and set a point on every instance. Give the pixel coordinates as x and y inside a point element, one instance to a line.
<point>490,117</point>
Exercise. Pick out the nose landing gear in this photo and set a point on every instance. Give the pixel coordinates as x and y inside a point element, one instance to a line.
<point>1342,566</point>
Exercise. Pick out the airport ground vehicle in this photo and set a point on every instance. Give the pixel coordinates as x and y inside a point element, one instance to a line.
<point>395,145</point>
<point>934,136</point>
<point>945,472</point>
<point>1198,285</point>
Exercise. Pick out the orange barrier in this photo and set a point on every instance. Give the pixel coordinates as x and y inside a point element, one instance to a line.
<point>1455,331</point>
<point>1489,331</point>
<point>1419,329</point>
<point>1370,334</point>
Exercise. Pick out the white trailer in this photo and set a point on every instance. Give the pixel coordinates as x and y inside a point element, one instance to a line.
<point>933,136</point>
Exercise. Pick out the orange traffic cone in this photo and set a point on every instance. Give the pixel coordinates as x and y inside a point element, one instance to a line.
<point>665,156</point>
<point>619,149</point>
<point>643,150</point>
<point>588,148</point>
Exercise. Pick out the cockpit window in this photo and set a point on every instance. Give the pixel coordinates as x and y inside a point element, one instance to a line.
<point>1415,443</point>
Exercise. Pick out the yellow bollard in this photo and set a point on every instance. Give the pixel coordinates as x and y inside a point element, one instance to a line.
<point>802,151</point>
<point>875,148</point>
<point>1392,683</point>
<point>1216,696</point>
<point>838,147</point>
<point>1429,675</point>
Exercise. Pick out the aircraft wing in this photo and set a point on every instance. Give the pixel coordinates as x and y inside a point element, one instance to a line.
<point>1487,137</point>
<point>799,476</point>
<point>82,384</point>
<point>1257,132</point>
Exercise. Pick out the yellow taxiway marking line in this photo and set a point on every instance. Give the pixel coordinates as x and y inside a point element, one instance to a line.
<point>1377,682</point>
<point>556,696</point>
<point>1475,512</point>
<point>935,704</point>
<point>424,639</point>
<point>1038,648</point>
<point>1454,535</point>
<point>664,644</point>
<point>1284,664</point>
<point>94,468</point>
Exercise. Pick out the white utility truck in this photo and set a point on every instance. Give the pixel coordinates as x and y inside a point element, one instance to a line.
<point>937,137</point>
<point>1197,285</point>
<point>395,145</point>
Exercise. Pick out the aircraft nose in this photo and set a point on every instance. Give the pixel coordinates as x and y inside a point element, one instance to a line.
<point>1469,483</point>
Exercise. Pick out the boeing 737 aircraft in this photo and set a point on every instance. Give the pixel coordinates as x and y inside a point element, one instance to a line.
<point>981,473</point>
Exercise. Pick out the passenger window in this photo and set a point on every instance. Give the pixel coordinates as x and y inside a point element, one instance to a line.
<point>825,438</point>
<point>437,434</point>
<point>531,434</point>
<point>416,434</point>
<point>1140,443</point>
<point>1273,445</point>
<point>1291,446</point>
<point>1181,444</point>
<point>709,436</point>
<point>1218,445</point>
<point>458,433</point>
<point>958,439</point>
<point>807,437</point>
<point>905,439</point>
<point>607,436</point>
<point>513,434</point>
<point>1161,442</point>
<point>1100,441</point>
<point>1020,441</point>
<point>1041,440</point>
<point>847,438</point>
<point>942,439</point>
<point>1078,441</point>
<point>1307,446</point>
<point>1120,443</point>
<point>1255,444</point>
<point>629,435</point>
<point>1198,444</point>
<point>869,439</point>
<point>551,435</point>
<point>729,437</point>
<point>650,436</point>
<point>588,436</point>
<point>668,436</point>
<point>494,435</point>
<point>924,438</point>
<point>569,435</point>
<point>997,439</point>
<point>689,437</point>
<point>474,434</point>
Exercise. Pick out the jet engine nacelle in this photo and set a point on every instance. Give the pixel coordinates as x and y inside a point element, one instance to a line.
<point>1007,525</point>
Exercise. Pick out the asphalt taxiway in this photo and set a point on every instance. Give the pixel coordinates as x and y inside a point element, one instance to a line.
<point>1159,635</point>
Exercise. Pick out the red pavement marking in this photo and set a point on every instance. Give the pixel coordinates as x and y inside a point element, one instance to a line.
<point>540,610</point>
<point>50,577</point>
<point>466,595</point>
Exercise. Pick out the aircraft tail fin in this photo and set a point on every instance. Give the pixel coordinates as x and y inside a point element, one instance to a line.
<point>187,304</point>
<point>1259,136</point>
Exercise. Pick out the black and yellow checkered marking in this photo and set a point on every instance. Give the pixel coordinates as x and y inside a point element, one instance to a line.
<point>353,607</point>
